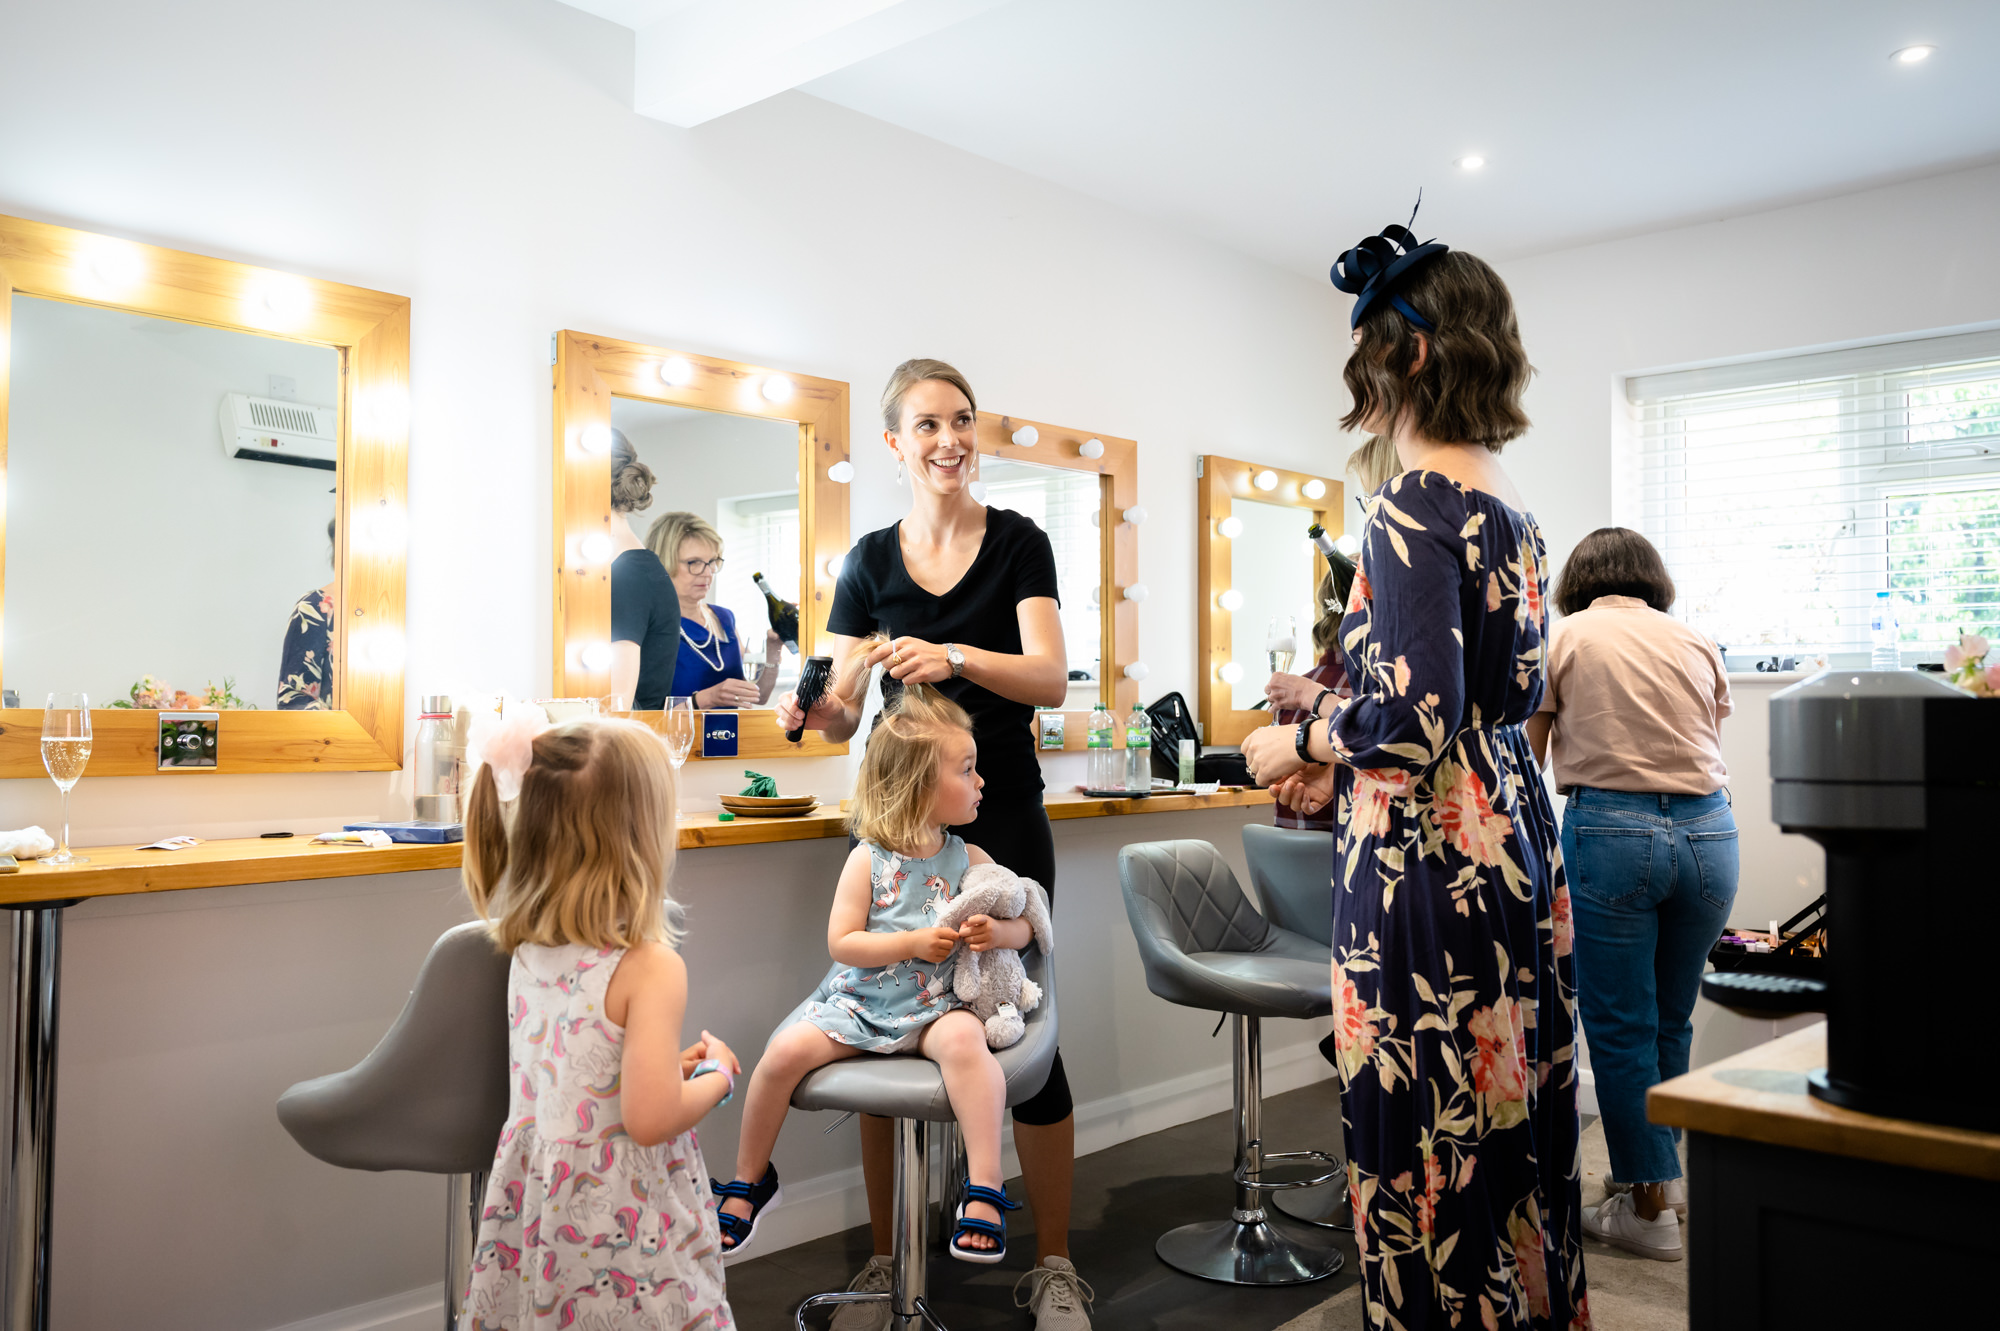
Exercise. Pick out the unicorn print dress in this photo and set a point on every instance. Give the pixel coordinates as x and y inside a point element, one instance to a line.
<point>583,1227</point>
<point>884,1009</point>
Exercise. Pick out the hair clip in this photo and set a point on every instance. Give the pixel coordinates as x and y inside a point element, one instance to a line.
<point>1371,269</point>
<point>505,742</point>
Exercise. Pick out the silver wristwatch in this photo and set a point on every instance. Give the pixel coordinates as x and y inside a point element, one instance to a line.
<point>957,659</point>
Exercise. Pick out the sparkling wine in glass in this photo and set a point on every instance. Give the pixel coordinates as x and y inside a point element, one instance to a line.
<point>678,725</point>
<point>1281,644</point>
<point>65,752</point>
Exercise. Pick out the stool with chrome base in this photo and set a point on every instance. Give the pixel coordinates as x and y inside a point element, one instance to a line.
<point>1204,945</point>
<point>431,1096</point>
<point>910,1089</point>
<point>1292,871</point>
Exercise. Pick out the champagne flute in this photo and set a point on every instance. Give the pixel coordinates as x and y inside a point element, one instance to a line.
<point>65,752</point>
<point>1281,644</point>
<point>678,724</point>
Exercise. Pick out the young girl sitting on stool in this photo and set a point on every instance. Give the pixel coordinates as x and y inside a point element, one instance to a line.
<point>889,991</point>
<point>595,1203</point>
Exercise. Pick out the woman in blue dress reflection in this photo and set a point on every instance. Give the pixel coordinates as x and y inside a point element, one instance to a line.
<point>710,666</point>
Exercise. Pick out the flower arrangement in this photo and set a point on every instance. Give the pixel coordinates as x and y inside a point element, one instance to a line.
<point>1965,665</point>
<point>154,695</point>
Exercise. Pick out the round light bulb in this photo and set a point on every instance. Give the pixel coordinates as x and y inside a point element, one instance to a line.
<point>1136,592</point>
<point>117,266</point>
<point>597,656</point>
<point>1231,673</point>
<point>1137,670</point>
<point>1026,437</point>
<point>776,388</point>
<point>677,371</point>
<point>1348,544</point>
<point>595,548</point>
<point>595,439</point>
<point>1314,488</point>
<point>977,489</point>
<point>1914,55</point>
<point>1091,448</point>
<point>1134,515</point>
<point>384,528</point>
<point>284,300</point>
<point>841,472</point>
<point>1231,600</point>
<point>1096,518</point>
<point>1230,527</point>
<point>1470,162</point>
<point>383,649</point>
<point>831,566</point>
<point>1266,479</point>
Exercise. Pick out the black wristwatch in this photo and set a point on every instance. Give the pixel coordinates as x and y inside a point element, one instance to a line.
<point>1314,709</point>
<point>1303,741</point>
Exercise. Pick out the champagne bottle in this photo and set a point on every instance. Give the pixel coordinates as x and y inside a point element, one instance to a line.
<point>783,614</point>
<point>1319,538</point>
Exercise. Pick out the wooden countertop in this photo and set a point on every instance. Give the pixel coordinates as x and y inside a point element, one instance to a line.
<point>123,870</point>
<point>1727,1099</point>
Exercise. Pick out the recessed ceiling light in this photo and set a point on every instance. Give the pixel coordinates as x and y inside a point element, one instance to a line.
<point>1470,162</point>
<point>1913,55</point>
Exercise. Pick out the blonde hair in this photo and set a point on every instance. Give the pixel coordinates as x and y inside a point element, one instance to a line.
<point>591,844</point>
<point>911,373</point>
<point>1374,463</point>
<point>665,537</point>
<point>900,769</point>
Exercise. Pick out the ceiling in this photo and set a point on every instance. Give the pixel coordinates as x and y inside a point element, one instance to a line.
<point>1287,129</point>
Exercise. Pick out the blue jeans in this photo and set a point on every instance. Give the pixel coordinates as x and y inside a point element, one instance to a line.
<point>1651,879</point>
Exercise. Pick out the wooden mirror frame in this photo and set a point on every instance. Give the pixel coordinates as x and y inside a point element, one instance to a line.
<point>589,372</point>
<point>1220,482</point>
<point>1118,557</point>
<point>370,330</point>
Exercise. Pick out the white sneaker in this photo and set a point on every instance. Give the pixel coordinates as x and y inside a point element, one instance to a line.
<point>1677,1193</point>
<point>1056,1296</point>
<point>875,1278</point>
<point>1617,1224</point>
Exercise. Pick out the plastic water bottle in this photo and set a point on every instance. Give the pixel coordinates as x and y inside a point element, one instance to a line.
<point>1888,653</point>
<point>1138,752</point>
<point>1103,770</point>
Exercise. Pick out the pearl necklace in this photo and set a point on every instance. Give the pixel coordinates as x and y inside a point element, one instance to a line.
<point>714,640</point>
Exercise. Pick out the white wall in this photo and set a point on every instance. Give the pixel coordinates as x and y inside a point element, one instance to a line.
<point>137,546</point>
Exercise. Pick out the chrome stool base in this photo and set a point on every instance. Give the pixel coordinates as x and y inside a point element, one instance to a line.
<point>1257,1253</point>
<point>1323,1207</point>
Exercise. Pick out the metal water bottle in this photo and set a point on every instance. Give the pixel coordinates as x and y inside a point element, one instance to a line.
<point>436,779</point>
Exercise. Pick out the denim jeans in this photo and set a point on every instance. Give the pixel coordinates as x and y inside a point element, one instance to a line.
<point>1651,879</point>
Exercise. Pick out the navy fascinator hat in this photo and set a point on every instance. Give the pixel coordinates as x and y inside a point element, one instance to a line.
<point>1374,268</point>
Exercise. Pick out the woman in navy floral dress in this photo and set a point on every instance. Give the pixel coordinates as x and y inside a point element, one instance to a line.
<point>1454,996</point>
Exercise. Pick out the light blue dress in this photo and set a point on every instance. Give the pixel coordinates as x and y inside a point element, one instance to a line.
<point>884,1009</point>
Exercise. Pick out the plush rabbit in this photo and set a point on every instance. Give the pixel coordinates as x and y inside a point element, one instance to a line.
<point>993,983</point>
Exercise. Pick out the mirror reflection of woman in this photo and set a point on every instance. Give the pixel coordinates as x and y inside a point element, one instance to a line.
<point>305,666</point>
<point>1320,689</point>
<point>645,613</point>
<point>711,661</point>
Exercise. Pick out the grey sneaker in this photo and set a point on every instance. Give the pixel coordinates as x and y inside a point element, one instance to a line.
<point>1617,1224</point>
<point>1056,1295</point>
<point>874,1279</point>
<point>1677,1193</point>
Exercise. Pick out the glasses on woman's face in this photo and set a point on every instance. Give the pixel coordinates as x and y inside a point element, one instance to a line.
<point>697,567</point>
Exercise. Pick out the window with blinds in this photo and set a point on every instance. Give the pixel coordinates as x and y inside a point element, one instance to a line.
<point>1062,503</point>
<point>1787,494</point>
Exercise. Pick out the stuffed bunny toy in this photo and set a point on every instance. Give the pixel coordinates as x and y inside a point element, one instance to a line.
<point>993,983</point>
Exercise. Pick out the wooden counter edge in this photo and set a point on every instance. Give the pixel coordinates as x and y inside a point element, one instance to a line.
<point>127,870</point>
<point>1698,1102</point>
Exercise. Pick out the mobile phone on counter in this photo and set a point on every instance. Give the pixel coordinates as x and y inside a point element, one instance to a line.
<point>813,682</point>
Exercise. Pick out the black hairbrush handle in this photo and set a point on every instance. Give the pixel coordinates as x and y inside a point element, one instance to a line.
<point>818,673</point>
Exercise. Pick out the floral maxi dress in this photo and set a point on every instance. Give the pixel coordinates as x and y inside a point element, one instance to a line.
<point>1454,993</point>
<point>582,1226</point>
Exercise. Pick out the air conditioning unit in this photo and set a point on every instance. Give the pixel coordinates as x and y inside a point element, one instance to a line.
<point>264,429</point>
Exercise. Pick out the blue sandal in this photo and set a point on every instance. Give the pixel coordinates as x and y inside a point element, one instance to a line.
<point>995,1198</point>
<point>737,1232</point>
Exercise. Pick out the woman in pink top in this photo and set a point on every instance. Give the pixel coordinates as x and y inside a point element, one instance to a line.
<point>1632,716</point>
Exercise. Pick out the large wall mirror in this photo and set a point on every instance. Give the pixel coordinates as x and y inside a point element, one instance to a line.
<point>1259,584</point>
<point>700,507</point>
<point>204,467</point>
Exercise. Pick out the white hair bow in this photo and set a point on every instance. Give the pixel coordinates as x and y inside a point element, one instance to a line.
<point>505,742</point>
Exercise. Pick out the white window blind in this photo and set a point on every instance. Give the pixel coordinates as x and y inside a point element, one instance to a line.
<point>760,534</point>
<point>1786,494</point>
<point>1061,502</point>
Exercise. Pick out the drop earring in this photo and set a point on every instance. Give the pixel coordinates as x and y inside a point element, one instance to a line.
<point>899,471</point>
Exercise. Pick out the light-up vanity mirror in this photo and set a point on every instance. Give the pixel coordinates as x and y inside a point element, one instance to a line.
<point>701,506</point>
<point>1259,584</point>
<point>204,467</point>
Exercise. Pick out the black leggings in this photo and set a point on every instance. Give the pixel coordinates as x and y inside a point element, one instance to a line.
<point>1017,835</point>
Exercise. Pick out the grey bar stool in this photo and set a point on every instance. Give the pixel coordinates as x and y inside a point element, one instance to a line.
<point>1205,946</point>
<point>431,1096</point>
<point>909,1089</point>
<point>1292,870</point>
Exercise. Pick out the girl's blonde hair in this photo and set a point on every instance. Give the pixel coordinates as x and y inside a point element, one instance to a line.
<point>591,844</point>
<point>1374,463</point>
<point>669,530</point>
<point>900,769</point>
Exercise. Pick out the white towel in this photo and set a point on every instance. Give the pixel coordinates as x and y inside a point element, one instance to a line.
<point>30,843</point>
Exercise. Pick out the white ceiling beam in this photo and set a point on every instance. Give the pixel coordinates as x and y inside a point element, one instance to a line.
<point>707,60</point>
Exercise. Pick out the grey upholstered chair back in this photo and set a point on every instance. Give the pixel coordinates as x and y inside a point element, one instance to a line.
<point>1184,893</point>
<point>1292,870</point>
<point>432,1095</point>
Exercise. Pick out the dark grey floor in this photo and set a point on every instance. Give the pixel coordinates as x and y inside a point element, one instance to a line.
<point>1125,1198</point>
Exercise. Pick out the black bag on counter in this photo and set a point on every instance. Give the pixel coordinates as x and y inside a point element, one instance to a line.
<point>1172,723</point>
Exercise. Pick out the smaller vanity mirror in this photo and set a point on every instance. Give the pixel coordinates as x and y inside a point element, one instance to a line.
<point>1260,584</point>
<point>1068,505</point>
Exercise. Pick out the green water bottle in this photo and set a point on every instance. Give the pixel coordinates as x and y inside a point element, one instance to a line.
<point>1102,771</point>
<point>1138,752</point>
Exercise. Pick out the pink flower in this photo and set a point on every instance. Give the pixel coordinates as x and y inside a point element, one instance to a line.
<point>1993,678</point>
<point>1500,1062</point>
<point>1974,645</point>
<point>1433,1185</point>
<point>1954,657</point>
<point>1353,1029</point>
<point>1559,916</point>
<point>1467,815</point>
<point>1374,788</point>
<point>1526,1232</point>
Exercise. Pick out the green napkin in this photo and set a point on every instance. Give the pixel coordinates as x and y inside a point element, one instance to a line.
<point>761,787</point>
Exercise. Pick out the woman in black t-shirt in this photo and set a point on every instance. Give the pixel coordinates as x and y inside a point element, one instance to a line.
<point>967,597</point>
<point>645,612</point>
